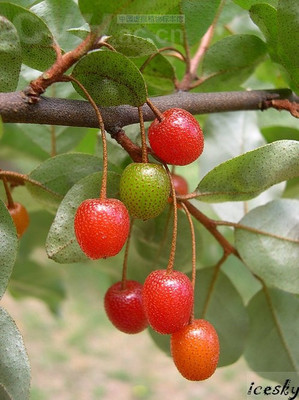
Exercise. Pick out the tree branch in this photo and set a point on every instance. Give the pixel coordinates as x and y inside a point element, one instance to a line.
<point>14,107</point>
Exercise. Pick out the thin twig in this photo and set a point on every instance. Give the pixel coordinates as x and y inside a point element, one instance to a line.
<point>126,256</point>
<point>154,109</point>
<point>193,242</point>
<point>211,226</point>
<point>20,179</point>
<point>10,202</point>
<point>175,224</point>
<point>143,136</point>
<point>251,229</point>
<point>57,70</point>
<point>103,191</point>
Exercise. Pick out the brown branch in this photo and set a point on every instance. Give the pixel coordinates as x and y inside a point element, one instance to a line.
<point>14,107</point>
<point>56,71</point>
<point>134,151</point>
<point>286,104</point>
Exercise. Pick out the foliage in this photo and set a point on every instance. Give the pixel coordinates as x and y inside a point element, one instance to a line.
<point>247,178</point>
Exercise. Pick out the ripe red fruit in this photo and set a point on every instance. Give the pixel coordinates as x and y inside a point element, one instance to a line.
<point>195,350</point>
<point>124,307</point>
<point>20,217</point>
<point>178,138</point>
<point>101,227</point>
<point>167,300</point>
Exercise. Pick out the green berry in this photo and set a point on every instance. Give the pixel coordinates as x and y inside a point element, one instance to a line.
<point>144,189</point>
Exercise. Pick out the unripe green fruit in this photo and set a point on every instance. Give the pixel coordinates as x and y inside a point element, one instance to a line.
<point>144,189</point>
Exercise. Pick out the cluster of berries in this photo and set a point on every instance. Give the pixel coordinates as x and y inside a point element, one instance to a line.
<point>165,300</point>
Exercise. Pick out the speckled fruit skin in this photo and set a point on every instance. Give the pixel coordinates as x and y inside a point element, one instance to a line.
<point>101,227</point>
<point>167,300</point>
<point>195,350</point>
<point>178,138</point>
<point>20,217</point>
<point>144,189</point>
<point>124,307</point>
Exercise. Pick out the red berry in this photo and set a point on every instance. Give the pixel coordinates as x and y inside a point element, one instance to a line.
<point>124,307</point>
<point>178,138</point>
<point>167,300</point>
<point>20,217</point>
<point>101,227</point>
<point>195,350</point>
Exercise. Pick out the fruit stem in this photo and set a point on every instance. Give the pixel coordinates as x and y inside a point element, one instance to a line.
<point>143,136</point>
<point>10,202</point>
<point>193,277</point>
<point>175,224</point>
<point>125,263</point>
<point>103,192</point>
<point>155,110</point>
<point>164,237</point>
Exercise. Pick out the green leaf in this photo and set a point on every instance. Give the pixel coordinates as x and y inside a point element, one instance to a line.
<point>58,174</point>
<point>61,243</point>
<point>159,75</point>
<point>132,46</point>
<point>3,394</point>
<point>60,15</point>
<point>23,3</point>
<point>265,17</point>
<point>249,3</point>
<point>288,37</point>
<point>10,56</point>
<point>30,279</point>
<point>153,241</point>
<point>17,143</point>
<point>271,249</point>
<point>272,133</point>
<point>82,31</point>
<point>122,16</point>
<point>239,134</point>
<point>44,280</point>
<point>35,37</point>
<point>246,176</point>
<point>14,365</point>
<point>217,300</point>
<point>230,61</point>
<point>111,79</point>
<point>66,137</point>
<point>198,16</point>
<point>8,247</point>
<point>272,343</point>
<point>162,341</point>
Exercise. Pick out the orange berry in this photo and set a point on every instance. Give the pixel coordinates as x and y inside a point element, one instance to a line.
<point>195,350</point>
<point>20,217</point>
